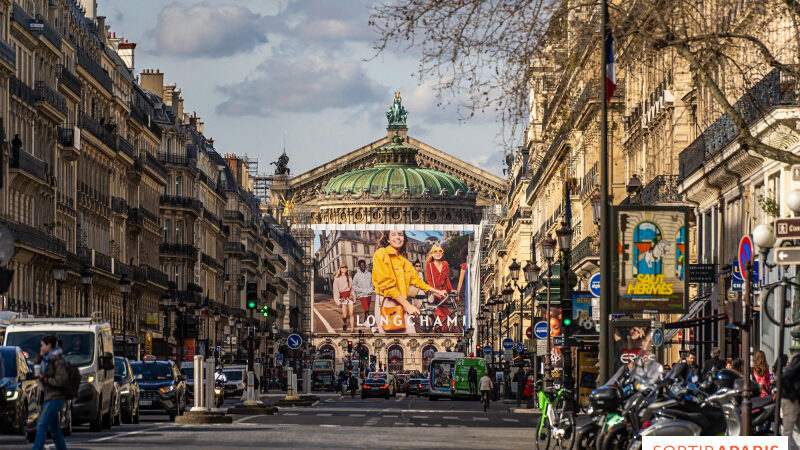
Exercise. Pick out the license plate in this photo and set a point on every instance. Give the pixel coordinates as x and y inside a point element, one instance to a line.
<point>145,402</point>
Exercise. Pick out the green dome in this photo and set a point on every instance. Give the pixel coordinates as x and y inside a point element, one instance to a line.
<point>396,169</point>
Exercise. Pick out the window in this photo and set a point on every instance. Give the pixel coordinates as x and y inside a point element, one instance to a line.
<point>774,191</point>
<point>178,185</point>
<point>167,226</point>
<point>355,247</point>
<point>179,231</point>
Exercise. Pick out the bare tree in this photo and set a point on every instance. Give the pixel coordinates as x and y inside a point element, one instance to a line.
<point>489,49</point>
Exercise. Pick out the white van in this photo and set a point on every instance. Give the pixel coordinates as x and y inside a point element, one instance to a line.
<point>87,344</point>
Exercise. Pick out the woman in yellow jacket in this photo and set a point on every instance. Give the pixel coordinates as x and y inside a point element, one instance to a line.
<point>392,274</point>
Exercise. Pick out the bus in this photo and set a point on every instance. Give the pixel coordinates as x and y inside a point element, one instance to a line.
<point>441,372</point>
<point>461,376</point>
<point>322,375</point>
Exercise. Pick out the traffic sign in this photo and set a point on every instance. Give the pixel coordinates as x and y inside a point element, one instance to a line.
<point>279,357</point>
<point>658,337</point>
<point>540,329</point>
<point>745,252</point>
<point>541,347</point>
<point>528,333</point>
<point>787,228</point>
<point>487,349</point>
<point>519,346</point>
<point>558,341</point>
<point>594,284</point>
<point>294,341</point>
<point>737,281</point>
<point>787,255</point>
<point>508,343</point>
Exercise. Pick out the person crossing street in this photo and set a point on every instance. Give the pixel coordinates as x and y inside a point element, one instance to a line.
<point>486,385</point>
<point>54,379</point>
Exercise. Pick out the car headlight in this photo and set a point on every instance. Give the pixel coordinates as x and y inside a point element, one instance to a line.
<point>166,389</point>
<point>125,391</point>
<point>12,395</point>
<point>87,378</point>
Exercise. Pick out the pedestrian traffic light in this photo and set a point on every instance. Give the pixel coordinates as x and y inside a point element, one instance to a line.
<point>251,295</point>
<point>349,346</point>
<point>265,311</point>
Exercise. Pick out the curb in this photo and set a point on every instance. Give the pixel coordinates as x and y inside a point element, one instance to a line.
<point>241,410</point>
<point>523,411</point>
<point>203,417</point>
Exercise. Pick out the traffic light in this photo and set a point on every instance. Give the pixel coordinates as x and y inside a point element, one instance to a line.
<point>265,311</point>
<point>349,346</point>
<point>478,350</point>
<point>251,295</point>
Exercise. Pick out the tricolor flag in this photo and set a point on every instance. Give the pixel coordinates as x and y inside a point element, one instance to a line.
<point>611,73</point>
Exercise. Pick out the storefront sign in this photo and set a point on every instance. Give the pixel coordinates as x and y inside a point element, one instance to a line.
<point>702,273</point>
<point>652,253</point>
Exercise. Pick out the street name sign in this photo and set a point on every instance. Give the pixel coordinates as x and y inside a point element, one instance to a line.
<point>787,228</point>
<point>294,341</point>
<point>508,343</point>
<point>787,255</point>
<point>540,329</point>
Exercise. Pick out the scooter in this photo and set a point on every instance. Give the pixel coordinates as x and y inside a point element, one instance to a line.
<point>219,393</point>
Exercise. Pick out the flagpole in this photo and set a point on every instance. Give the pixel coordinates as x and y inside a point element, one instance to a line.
<point>607,284</point>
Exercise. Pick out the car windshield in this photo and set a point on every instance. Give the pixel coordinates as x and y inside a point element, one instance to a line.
<point>120,368</point>
<point>323,365</point>
<point>151,371</point>
<point>233,375</point>
<point>10,363</point>
<point>188,372</point>
<point>442,373</point>
<point>78,347</point>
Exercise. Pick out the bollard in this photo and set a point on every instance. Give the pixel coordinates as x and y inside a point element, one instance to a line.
<point>198,384</point>
<point>290,384</point>
<point>306,381</point>
<point>251,397</point>
<point>210,399</point>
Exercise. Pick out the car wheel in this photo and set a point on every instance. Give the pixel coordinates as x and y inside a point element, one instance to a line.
<point>22,417</point>
<point>118,417</point>
<point>108,418</point>
<point>172,417</point>
<point>96,424</point>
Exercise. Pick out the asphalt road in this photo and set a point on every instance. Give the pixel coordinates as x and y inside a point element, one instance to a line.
<point>334,422</point>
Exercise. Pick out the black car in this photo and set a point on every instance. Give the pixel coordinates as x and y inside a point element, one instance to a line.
<point>20,402</point>
<point>162,387</point>
<point>417,386</point>
<point>128,389</point>
<point>375,387</point>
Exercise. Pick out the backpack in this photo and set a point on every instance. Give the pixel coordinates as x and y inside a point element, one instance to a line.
<point>73,381</point>
<point>790,379</point>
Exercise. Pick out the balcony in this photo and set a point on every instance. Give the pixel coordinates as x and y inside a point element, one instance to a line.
<point>98,130</point>
<point>70,139</point>
<point>176,201</point>
<point>155,165</point>
<point>281,285</point>
<point>210,261</point>
<point>95,70</point>
<point>234,215</point>
<point>156,276</point>
<point>135,220</point>
<point>187,250</point>
<point>125,147</point>
<point>279,260</point>
<point>21,90</point>
<point>270,267</point>
<point>234,247</point>
<point>32,237</point>
<point>176,160</point>
<point>155,219</point>
<point>119,206</point>
<point>774,90</point>
<point>250,255</point>
<point>661,189</point>
<point>45,93</point>
<point>134,172</point>
<point>587,248</point>
<point>24,161</point>
<point>69,80</point>
<point>7,54</point>
<point>211,217</point>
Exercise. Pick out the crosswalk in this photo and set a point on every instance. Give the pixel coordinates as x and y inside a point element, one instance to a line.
<point>412,419</point>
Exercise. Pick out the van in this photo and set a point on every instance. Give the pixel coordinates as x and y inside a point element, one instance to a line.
<point>87,344</point>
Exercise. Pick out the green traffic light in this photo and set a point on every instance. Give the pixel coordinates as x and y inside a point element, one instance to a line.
<point>251,304</point>
<point>567,322</point>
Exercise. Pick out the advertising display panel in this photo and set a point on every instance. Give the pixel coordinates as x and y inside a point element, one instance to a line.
<point>651,259</point>
<point>632,340</point>
<point>392,283</point>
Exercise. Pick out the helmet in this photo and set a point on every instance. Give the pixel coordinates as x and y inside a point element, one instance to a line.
<point>726,378</point>
<point>219,367</point>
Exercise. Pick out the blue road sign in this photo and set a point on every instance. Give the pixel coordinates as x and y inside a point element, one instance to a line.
<point>508,343</point>
<point>540,330</point>
<point>487,349</point>
<point>658,337</point>
<point>594,284</point>
<point>519,346</point>
<point>279,356</point>
<point>745,251</point>
<point>737,280</point>
<point>294,341</point>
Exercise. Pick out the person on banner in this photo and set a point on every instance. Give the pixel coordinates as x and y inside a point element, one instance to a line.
<point>437,274</point>
<point>392,274</point>
<point>343,296</point>
<point>416,295</point>
<point>362,285</point>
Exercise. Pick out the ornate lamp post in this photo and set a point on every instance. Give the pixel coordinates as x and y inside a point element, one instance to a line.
<point>548,245</point>
<point>86,281</point>
<point>239,339</point>
<point>60,274</point>
<point>564,235</point>
<point>508,297</point>
<point>124,288</point>
<point>231,326</point>
<point>198,313</point>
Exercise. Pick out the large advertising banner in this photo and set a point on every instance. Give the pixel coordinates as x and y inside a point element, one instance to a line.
<point>632,340</point>
<point>391,282</point>
<point>651,259</point>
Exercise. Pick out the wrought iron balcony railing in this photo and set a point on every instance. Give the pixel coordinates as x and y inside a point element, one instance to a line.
<point>24,92</point>
<point>178,249</point>
<point>234,247</point>
<point>585,249</point>
<point>177,201</point>
<point>176,160</point>
<point>210,261</point>
<point>125,147</point>
<point>661,189</point>
<point>95,70</point>
<point>119,205</point>
<point>28,235</point>
<point>233,215</point>
<point>7,53</point>
<point>88,123</point>
<point>69,79</point>
<point>45,93</point>
<point>155,165</point>
<point>20,159</point>
<point>66,136</point>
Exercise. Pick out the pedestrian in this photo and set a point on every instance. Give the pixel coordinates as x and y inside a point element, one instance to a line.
<point>761,373</point>
<point>53,379</point>
<point>790,396</point>
<point>713,364</point>
<point>362,285</point>
<point>472,378</point>
<point>352,384</point>
<point>693,369</point>
<point>737,365</point>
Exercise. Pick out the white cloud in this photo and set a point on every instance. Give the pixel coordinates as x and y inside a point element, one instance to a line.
<point>306,85</point>
<point>208,30</point>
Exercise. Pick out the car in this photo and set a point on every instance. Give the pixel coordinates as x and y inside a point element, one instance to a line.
<point>128,389</point>
<point>87,345</point>
<point>417,386</point>
<point>376,387</point>
<point>390,379</point>
<point>162,386</point>
<point>401,382</point>
<point>237,377</point>
<point>20,407</point>
<point>187,370</point>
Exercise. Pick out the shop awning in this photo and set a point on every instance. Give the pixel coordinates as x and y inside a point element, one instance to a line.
<point>696,322</point>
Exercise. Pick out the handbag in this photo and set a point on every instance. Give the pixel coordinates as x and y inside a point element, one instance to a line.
<point>390,314</point>
<point>345,293</point>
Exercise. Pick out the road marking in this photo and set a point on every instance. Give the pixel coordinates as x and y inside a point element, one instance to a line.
<point>449,417</point>
<point>485,419</point>
<point>356,415</point>
<point>130,433</point>
<point>291,414</point>
<point>510,420</point>
<point>324,414</point>
<point>371,421</point>
<point>243,419</point>
<point>391,416</point>
<point>398,399</point>
<point>419,417</point>
<point>329,426</point>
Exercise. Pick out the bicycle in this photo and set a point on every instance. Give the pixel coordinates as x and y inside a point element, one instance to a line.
<point>485,400</point>
<point>555,423</point>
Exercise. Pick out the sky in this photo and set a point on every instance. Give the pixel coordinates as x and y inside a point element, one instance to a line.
<point>261,71</point>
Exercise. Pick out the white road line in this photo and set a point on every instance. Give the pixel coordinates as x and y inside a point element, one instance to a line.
<point>419,417</point>
<point>485,419</point>
<point>449,417</point>
<point>371,421</point>
<point>391,416</point>
<point>399,399</point>
<point>243,419</point>
<point>324,414</point>
<point>329,426</point>
<point>130,433</point>
<point>510,420</point>
<point>356,415</point>
<point>324,322</point>
<point>291,414</point>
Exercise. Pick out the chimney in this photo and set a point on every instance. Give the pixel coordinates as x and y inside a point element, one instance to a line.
<point>90,9</point>
<point>177,103</point>
<point>102,33</point>
<point>125,52</point>
<point>153,81</point>
<point>169,89</point>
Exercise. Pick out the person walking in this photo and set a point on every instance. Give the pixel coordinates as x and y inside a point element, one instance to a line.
<point>761,373</point>
<point>352,384</point>
<point>713,364</point>
<point>486,386</point>
<point>53,380</point>
<point>790,396</point>
<point>472,379</point>
<point>362,285</point>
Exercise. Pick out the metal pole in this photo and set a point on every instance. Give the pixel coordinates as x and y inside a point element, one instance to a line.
<point>548,368</point>
<point>781,297</point>
<point>606,277</point>
<point>58,298</point>
<point>748,314</point>
<point>124,324</point>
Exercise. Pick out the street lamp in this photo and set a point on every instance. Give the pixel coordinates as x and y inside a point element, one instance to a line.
<point>565,244</point>
<point>548,245</point>
<point>597,208</point>
<point>124,288</point>
<point>793,201</point>
<point>514,269</point>
<point>198,313</point>
<point>564,235</point>
<point>217,317</point>
<point>60,274</point>
<point>238,339</point>
<point>231,326</point>
<point>182,309</point>
<point>86,281</point>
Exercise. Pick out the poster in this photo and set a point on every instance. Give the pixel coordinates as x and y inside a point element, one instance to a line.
<point>632,340</point>
<point>354,292</point>
<point>582,314</point>
<point>587,375</point>
<point>651,258</point>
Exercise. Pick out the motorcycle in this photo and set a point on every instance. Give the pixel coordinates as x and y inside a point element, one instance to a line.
<point>219,393</point>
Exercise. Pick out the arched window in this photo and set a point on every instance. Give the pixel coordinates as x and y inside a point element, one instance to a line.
<point>427,356</point>
<point>395,356</point>
<point>326,352</point>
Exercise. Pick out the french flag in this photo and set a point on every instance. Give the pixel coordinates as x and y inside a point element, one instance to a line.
<point>611,73</point>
